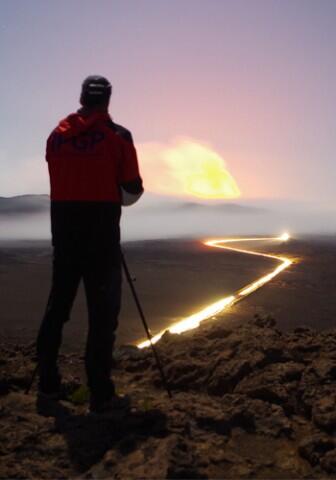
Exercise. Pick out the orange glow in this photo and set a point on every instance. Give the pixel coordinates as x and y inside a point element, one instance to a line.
<point>186,168</point>
<point>193,321</point>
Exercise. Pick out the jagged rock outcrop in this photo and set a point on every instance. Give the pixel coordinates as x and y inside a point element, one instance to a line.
<point>249,402</point>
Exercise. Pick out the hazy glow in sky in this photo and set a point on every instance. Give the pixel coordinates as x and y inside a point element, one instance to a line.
<point>186,168</point>
<point>255,79</point>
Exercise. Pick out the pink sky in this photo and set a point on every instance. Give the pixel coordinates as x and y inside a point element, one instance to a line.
<point>253,79</point>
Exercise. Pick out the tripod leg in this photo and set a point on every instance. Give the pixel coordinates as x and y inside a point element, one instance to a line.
<point>142,316</point>
<point>31,380</point>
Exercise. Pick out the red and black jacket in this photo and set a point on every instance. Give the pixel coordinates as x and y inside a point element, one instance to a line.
<point>89,159</point>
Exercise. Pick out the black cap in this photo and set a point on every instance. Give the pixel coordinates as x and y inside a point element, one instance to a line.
<point>96,91</point>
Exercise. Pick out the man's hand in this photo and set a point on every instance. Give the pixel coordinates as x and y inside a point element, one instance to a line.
<point>128,198</point>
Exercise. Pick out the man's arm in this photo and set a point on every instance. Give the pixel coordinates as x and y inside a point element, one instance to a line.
<point>131,186</point>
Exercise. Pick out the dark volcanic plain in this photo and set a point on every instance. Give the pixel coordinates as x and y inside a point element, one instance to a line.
<point>174,279</point>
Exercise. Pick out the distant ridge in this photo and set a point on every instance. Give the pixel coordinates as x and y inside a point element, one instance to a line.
<point>223,207</point>
<point>31,203</point>
<point>194,207</point>
<point>24,204</point>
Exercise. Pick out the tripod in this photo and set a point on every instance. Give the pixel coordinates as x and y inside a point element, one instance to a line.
<point>148,333</point>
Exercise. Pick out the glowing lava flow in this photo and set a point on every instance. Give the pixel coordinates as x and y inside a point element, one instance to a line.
<point>193,321</point>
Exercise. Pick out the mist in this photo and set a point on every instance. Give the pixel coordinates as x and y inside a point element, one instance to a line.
<point>199,222</point>
<point>155,217</point>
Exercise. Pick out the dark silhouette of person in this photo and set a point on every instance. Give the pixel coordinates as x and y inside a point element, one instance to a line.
<point>93,170</point>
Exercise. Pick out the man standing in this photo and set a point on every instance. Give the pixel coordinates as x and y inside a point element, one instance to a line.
<point>93,170</point>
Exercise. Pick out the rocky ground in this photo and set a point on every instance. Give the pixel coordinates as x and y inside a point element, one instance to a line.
<point>248,402</point>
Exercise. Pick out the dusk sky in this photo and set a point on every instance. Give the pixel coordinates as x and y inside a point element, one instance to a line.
<point>248,83</point>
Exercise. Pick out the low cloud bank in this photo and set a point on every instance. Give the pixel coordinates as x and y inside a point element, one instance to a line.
<point>160,217</point>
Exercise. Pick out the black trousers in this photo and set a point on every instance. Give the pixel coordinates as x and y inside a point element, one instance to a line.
<point>100,269</point>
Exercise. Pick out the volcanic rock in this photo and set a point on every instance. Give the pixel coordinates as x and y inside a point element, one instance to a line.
<point>328,462</point>
<point>315,446</point>
<point>324,409</point>
<point>248,402</point>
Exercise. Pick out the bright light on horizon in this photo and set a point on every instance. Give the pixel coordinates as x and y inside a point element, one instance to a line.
<point>284,237</point>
